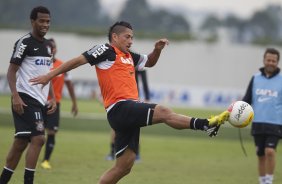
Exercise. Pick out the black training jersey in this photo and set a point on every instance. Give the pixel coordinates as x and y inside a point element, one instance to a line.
<point>34,58</point>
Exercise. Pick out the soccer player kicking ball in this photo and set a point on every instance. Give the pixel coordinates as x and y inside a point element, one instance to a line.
<point>115,66</point>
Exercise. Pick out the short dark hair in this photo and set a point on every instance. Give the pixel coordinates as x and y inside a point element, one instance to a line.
<point>38,9</point>
<point>272,51</point>
<point>117,28</point>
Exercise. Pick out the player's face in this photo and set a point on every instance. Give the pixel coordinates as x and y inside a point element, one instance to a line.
<point>270,63</point>
<point>124,40</point>
<point>41,25</point>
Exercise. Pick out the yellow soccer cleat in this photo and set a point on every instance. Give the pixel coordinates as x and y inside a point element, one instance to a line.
<point>219,119</point>
<point>46,165</point>
<point>215,122</point>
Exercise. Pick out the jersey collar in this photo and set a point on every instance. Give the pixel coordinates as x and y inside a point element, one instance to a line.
<point>119,52</point>
<point>277,71</point>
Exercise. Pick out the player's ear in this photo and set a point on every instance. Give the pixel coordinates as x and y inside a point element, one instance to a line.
<point>32,21</point>
<point>114,37</point>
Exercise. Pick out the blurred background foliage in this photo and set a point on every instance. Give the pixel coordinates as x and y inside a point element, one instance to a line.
<point>89,17</point>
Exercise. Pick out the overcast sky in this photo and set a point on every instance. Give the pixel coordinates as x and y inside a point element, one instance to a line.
<point>242,8</point>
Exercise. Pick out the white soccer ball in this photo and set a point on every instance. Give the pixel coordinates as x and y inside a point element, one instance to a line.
<point>241,114</point>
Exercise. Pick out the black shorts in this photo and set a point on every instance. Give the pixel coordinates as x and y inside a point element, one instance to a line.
<point>266,128</point>
<point>53,120</point>
<point>31,122</point>
<point>126,118</point>
<point>265,141</point>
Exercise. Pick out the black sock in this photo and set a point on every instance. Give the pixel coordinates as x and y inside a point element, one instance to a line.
<point>199,124</point>
<point>28,176</point>
<point>49,146</point>
<point>6,175</point>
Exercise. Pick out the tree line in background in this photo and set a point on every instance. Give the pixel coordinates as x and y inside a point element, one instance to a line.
<point>263,27</point>
<point>89,17</point>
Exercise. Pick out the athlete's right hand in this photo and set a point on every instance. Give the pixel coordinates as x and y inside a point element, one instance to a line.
<point>42,79</point>
<point>74,110</point>
<point>160,44</point>
<point>18,104</point>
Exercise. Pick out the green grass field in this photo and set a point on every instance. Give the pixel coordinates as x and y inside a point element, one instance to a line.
<point>167,156</point>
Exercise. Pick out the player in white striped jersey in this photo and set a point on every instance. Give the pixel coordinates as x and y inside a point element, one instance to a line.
<point>31,57</point>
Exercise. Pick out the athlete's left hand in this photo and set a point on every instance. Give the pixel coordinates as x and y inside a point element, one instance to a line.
<point>52,106</point>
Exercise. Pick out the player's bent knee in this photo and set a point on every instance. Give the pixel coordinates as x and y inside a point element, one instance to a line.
<point>127,171</point>
<point>269,152</point>
<point>125,163</point>
<point>123,169</point>
<point>161,114</point>
<point>38,140</point>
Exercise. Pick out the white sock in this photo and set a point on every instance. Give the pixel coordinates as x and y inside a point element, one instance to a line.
<point>262,179</point>
<point>268,178</point>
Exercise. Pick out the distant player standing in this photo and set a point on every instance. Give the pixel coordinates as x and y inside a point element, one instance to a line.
<point>52,120</point>
<point>264,93</point>
<point>31,57</point>
<point>115,67</point>
<point>143,76</point>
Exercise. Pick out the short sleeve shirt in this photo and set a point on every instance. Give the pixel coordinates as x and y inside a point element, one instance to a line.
<point>34,58</point>
<point>115,72</point>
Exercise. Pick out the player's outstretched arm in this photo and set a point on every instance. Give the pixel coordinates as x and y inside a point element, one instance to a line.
<point>154,56</point>
<point>65,67</point>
